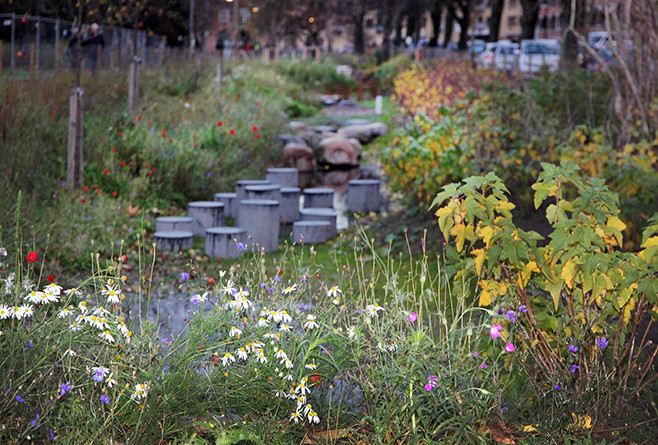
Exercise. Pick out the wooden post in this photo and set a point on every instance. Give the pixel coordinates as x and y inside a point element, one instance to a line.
<point>58,57</point>
<point>266,54</point>
<point>163,47</point>
<point>318,54</point>
<point>133,84</point>
<point>114,58</point>
<point>218,78</point>
<point>74,166</point>
<point>33,53</point>
<point>99,52</point>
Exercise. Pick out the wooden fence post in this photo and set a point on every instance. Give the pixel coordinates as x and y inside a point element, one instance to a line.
<point>58,57</point>
<point>99,52</point>
<point>74,166</point>
<point>133,83</point>
<point>33,53</point>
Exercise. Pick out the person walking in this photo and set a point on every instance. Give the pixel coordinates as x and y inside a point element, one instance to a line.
<point>91,47</point>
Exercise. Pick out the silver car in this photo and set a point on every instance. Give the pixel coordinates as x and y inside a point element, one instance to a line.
<point>538,53</point>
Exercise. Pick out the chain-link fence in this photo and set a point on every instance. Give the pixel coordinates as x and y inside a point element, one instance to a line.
<point>45,44</point>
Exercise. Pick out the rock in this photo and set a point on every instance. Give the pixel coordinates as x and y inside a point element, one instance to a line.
<point>340,150</point>
<point>297,126</point>
<point>323,128</point>
<point>364,133</point>
<point>350,122</point>
<point>345,70</point>
<point>346,103</point>
<point>298,156</point>
<point>311,138</point>
<point>329,99</point>
<point>285,139</point>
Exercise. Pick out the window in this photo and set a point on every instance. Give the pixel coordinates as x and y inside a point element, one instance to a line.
<point>224,15</point>
<point>511,21</point>
<point>370,23</point>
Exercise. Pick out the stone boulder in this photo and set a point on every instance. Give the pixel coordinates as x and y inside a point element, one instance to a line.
<point>365,132</point>
<point>298,156</point>
<point>339,150</point>
<point>297,126</point>
<point>285,139</point>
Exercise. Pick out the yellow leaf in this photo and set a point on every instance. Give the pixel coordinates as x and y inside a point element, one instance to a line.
<point>523,279</point>
<point>567,274</point>
<point>485,233</point>
<point>529,429</point>
<point>485,298</point>
<point>653,241</point>
<point>616,223</point>
<point>480,255</point>
<point>459,232</point>
<point>582,422</point>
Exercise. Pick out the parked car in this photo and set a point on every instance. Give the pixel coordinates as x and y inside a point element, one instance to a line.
<point>538,53</point>
<point>485,58</point>
<point>504,58</point>
<point>476,46</point>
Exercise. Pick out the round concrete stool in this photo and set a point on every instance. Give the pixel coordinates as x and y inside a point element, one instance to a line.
<point>285,177</point>
<point>206,214</point>
<point>230,203</point>
<point>222,242</point>
<point>260,218</point>
<point>266,191</point>
<point>319,197</point>
<point>308,232</point>
<point>320,214</point>
<point>289,204</point>
<point>174,240</point>
<point>241,185</point>
<point>363,195</point>
<point>172,223</point>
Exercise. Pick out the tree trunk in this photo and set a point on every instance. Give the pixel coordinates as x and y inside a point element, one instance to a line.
<point>450,21</point>
<point>436,14</point>
<point>494,21</point>
<point>570,42</point>
<point>529,18</point>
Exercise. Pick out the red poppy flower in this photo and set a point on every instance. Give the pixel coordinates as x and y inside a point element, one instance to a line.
<point>139,118</point>
<point>84,200</point>
<point>220,123</point>
<point>122,163</point>
<point>114,193</point>
<point>170,140</point>
<point>155,151</point>
<point>106,171</point>
<point>232,132</point>
<point>96,191</point>
<point>121,134</point>
<point>51,278</point>
<point>53,112</point>
<point>86,189</point>
<point>32,257</point>
<point>196,144</point>
<point>257,136</point>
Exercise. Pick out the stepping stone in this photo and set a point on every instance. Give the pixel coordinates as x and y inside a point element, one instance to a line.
<point>241,193</point>
<point>222,242</point>
<point>308,232</point>
<point>285,177</point>
<point>289,204</point>
<point>319,197</point>
<point>260,218</point>
<point>268,191</point>
<point>175,240</point>
<point>173,223</point>
<point>363,195</point>
<point>320,214</point>
<point>230,203</point>
<point>206,214</point>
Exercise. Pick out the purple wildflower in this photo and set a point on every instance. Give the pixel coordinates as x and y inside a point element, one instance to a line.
<point>573,348</point>
<point>105,399</point>
<point>64,388</point>
<point>574,368</point>
<point>523,308</point>
<point>19,399</point>
<point>511,315</point>
<point>601,342</point>
<point>240,246</point>
<point>184,276</point>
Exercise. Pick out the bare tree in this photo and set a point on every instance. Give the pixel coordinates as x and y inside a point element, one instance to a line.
<point>529,18</point>
<point>494,23</point>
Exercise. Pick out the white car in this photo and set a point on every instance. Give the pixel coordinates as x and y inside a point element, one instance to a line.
<point>485,58</point>
<point>538,53</point>
<point>504,58</point>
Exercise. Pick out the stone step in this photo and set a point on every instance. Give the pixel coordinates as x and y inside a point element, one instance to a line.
<point>363,195</point>
<point>206,214</point>
<point>223,242</point>
<point>230,203</point>
<point>173,223</point>
<point>318,197</point>
<point>260,218</point>
<point>175,240</point>
<point>320,214</point>
<point>285,177</point>
<point>309,232</point>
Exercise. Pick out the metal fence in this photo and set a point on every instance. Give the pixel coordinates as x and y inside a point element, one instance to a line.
<point>42,44</point>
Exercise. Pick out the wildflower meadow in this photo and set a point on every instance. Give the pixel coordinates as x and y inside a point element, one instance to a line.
<point>489,332</point>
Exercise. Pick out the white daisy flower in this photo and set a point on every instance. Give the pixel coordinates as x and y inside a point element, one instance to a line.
<point>301,388</point>
<point>70,352</point>
<point>234,331</point>
<point>372,309</point>
<point>54,289</point>
<point>229,288</point>
<point>227,359</point>
<point>141,391</point>
<point>75,326</point>
<point>270,335</point>
<point>289,377</point>
<point>313,417</point>
<point>294,417</point>
<point>262,323</point>
<point>241,353</point>
<point>106,335</point>
<point>333,292</point>
<point>288,363</point>
<point>281,354</point>
<point>3,251</point>
<point>257,345</point>
<point>289,289</point>
<point>5,312</point>
<point>285,328</point>
<point>261,357</point>
<point>83,307</point>
<point>24,311</point>
<point>65,312</point>
<point>36,297</point>
<point>310,322</point>
<point>351,332</point>
<point>73,292</point>
<point>307,408</point>
<point>112,293</point>
<point>110,381</point>
<point>311,366</point>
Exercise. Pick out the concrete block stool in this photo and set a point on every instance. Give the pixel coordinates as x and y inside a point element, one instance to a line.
<point>289,204</point>
<point>285,177</point>
<point>363,195</point>
<point>318,197</point>
<point>266,191</point>
<point>222,242</point>
<point>320,214</point>
<point>206,214</point>
<point>308,232</point>
<point>230,203</point>
<point>174,240</point>
<point>260,218</point>
<point>172,223</point>
<point>241,185</point>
